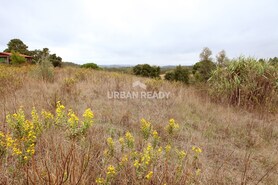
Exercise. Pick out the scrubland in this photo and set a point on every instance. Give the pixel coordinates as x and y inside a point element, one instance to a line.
<point>67,131</point>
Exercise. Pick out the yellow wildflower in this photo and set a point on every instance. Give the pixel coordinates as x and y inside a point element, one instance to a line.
<point>146,128</point>
<point>196,149</point>
<point>168,148</point>
<point>172,127</point>
<point>198,171</point>
<point>73,119</point>
<point>129,140</point>
<point>149,175</point>
<point>110,142</point>
<point>181,154</point>
<point>136,164</point>
<point>100,180</point>
<point>111,170</point>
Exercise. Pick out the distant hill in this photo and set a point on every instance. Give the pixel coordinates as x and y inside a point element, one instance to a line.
<point>71,64</point>
<point>116,66</point>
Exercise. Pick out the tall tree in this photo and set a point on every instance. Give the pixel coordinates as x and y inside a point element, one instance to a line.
<point>202,69</point>
<point>221,58</point>
<point>45,52</point>
<point>56,60</point>
<point>18,46</point>
<point>205,55</point>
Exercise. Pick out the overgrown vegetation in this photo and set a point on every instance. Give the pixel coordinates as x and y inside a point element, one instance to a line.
<point>17,46</point>
<point>246,82</point>
<point>44,69</point>
<point>205,143</point>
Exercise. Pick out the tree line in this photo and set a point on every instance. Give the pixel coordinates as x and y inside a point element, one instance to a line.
<point>199,72</point>
<point>17,47</point>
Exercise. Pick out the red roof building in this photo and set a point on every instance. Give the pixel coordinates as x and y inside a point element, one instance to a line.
<point>5,57</point>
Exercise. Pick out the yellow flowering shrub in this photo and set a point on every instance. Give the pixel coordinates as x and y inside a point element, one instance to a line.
<point>146,162</point>
<point>21,136</point>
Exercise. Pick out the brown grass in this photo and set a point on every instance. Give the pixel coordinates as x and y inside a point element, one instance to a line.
<point>239,147</point>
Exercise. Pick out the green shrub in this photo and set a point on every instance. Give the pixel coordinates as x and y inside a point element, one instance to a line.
<point>179,74</point>
<point>16,58</point>
<point>202,70</point>
<point>146,70</point>
<point>246,82</point>
<point>170,76</point>
<point>90,66</point>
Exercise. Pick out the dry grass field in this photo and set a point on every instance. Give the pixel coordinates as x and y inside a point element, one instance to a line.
<point>209,143</point>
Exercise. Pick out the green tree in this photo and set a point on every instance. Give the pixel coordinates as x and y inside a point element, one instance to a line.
<point>205,54</point>
<point>179,74</point>
<point>221,58</point>
<point>55,60</point>
<point>16,58</point>
<point>45,52</point>
<point>202,70</point>
<point>146,70</point>
<point>18,46</point>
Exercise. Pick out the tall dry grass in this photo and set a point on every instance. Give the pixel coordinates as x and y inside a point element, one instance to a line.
<point>239,147</point>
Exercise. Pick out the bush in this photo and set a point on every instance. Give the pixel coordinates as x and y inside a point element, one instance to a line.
<point>90,66</point>
<point>274,61</point>
<point>146,70</point>
<point>170,76</point>
<point>179,74</point>
<point>16,58</point>
<point>202,70</point>
<point>246,82</point>
<point>44,69</point>
<point>150,163</point>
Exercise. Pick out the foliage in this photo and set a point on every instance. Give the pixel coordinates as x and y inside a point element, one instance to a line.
<point>11,79</point>
<point>44,69</point>
<point>45,52</point>
<point>148,161</point>
<point>202,70</point>
<point>221,58</point>
<point>179,74</point>
<point>18,46</point>
<point>205,55</point>
<point>273,61</point>
<point>170,76</point>
<point>22,134</point>
<point>246,82</point>
<point>55,60</point>
<point>146,70</point>
<point>90,66</point>
<point>16,58</point>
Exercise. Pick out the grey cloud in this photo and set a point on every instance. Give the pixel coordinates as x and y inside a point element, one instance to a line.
<point>159,32</point>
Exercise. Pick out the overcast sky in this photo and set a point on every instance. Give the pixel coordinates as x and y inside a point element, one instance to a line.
<point>159,32</point>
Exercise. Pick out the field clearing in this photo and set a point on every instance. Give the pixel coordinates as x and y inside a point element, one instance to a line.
<point>238,147</point>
